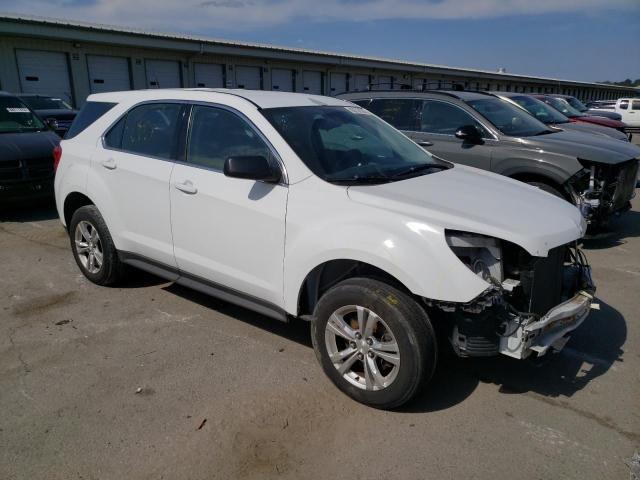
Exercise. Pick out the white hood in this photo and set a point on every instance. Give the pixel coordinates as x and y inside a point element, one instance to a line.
<point>473,200</point>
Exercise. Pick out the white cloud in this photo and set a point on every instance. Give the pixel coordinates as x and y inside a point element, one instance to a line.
<point>209,15</point>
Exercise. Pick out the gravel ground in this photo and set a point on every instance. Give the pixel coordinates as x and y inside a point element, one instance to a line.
<point>154,381</point>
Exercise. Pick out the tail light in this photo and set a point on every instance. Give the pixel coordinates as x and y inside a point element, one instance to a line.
<point>57,154</point>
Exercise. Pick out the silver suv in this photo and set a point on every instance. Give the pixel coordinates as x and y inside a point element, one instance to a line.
<point>479,129</point>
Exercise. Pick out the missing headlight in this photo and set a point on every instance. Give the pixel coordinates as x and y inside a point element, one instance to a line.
<point>481,254</point>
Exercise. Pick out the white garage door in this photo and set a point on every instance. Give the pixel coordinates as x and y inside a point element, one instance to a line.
<point>108,74</point>
<point>163,74</point>
<point>419,83</point>
<point>46,73</point>
<point>248,77</point>
<point>360,83</point>
<point>209,75</point>
<point>282,80</point>
<point>312,82</point>
<point>383,82</point>
<point>338,83</point>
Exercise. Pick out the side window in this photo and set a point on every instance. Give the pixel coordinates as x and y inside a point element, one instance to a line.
<point>217,134</point>
<point>113,138</point>
<point>635,105</point>
<point>445,119</point>
<point>624,104</point>
<point>401,113</point>
<point>150,129</point>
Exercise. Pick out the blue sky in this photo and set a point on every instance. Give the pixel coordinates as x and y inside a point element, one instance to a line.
<point>588,40</point>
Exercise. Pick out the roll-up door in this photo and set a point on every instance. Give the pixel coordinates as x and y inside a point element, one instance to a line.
<point>248,77</point>
<point>46,73</point>
<point>282,80</point>
<point>208,75</point>
<point>163,74</point>
<point>383,82</point>
<point>108,74</point>
<point>312,82</point>
<point>360,83</point>
<point>338,83</point>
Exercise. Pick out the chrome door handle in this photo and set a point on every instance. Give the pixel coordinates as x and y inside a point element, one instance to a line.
<point>424,143</point>
<point>186,187</point>
<point>109,164</point>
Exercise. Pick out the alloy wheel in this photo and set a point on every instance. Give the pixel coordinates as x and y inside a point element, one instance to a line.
<point>88,246</point>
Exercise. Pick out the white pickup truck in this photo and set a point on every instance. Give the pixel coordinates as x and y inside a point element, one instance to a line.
<point>629,109</point>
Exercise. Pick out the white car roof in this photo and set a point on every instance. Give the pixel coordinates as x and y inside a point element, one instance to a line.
<point>260,98</point>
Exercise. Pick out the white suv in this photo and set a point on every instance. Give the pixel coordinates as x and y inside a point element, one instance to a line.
<point>297,205</point>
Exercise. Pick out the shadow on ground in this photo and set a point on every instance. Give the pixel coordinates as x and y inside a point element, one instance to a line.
<point>34,212</point>
<point>619,229</point>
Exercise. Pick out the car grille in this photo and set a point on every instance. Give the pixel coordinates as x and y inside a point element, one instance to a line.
<point>624,185</point>
<point>29,169</point>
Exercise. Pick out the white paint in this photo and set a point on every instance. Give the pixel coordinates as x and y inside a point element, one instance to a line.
<point>108,74</point>
<point>46,73</point>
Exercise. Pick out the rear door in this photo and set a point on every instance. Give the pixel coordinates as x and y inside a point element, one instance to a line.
<point>438,122</point>
<point>227,231</point>
<point>135,166</point>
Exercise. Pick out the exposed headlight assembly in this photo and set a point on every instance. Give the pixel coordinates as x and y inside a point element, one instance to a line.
<point>481,254</point>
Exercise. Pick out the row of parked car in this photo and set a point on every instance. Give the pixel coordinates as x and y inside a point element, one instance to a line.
<point>313,207</point>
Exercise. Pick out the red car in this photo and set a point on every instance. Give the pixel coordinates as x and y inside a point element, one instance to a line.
<point>574,115</point>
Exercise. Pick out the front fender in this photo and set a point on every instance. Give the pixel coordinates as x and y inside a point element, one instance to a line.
<point>414,253</point>
<point>557,167</point>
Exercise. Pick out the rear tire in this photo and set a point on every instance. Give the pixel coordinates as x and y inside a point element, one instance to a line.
<point>93,247</point>
<point>379,337</point>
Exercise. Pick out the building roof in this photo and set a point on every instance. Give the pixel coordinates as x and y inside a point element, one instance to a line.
<point>206,44</point>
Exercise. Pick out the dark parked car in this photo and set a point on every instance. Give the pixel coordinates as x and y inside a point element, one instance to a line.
<point>26,153</point>
<point>564,107</point>
<point>582,108</point>
<point>47,107</point>
<point>595,173</point>
<point>552,117</point>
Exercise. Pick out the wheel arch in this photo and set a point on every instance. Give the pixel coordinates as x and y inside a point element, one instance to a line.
<point>541,177</point>
<point>327,274</point>
<point>72,202</point>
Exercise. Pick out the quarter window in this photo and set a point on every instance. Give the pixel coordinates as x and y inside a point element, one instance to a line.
<point>217,134</point>
<point>445,119</point>
<point>150,130</point>
<point>635,105</point>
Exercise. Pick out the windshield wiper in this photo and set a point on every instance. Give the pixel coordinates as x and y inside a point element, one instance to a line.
<point>361,180</point>
<point>420,168</point>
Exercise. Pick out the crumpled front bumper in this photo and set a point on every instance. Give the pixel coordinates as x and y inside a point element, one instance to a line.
<point>551,331</point>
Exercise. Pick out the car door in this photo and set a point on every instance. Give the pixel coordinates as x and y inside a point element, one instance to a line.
<point>438,122</point>
<point>134,168</point>
<point>227,231</point>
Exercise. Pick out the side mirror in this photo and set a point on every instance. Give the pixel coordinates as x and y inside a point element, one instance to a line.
<point>469,133</point>
<point>51,123</point>
<point>252,167</point>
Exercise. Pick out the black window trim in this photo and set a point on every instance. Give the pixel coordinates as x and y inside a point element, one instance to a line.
<point>184,126</point>
<point>272,150</point>
<point>179,129</point>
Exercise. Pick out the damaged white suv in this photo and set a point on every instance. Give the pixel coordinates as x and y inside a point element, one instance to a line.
<point>304,206</point>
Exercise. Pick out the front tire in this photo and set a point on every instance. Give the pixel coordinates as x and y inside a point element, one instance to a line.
<point>93,247</point>
<point>374,342</point>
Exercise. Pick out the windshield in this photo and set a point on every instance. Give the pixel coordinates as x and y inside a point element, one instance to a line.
<point>15,116</point>
<point>508,118</point>
<point>350,145</point>
<point>563,106</point>
<point>577,104</point>
<point>46,103</point>
<point>540,110</point>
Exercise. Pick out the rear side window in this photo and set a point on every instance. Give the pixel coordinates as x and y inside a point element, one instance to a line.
<point>401,113</point>
<point>624,104</point>
<point>150,130</point>
<point>89,113</point>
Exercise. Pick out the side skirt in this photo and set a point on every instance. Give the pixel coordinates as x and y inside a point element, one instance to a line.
<point>202,285</point>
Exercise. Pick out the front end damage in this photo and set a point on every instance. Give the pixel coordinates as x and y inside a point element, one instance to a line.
<point>602,190</point>
<point>531,306</point>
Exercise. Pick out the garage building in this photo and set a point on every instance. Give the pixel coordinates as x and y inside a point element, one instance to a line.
<point>71,60</point>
